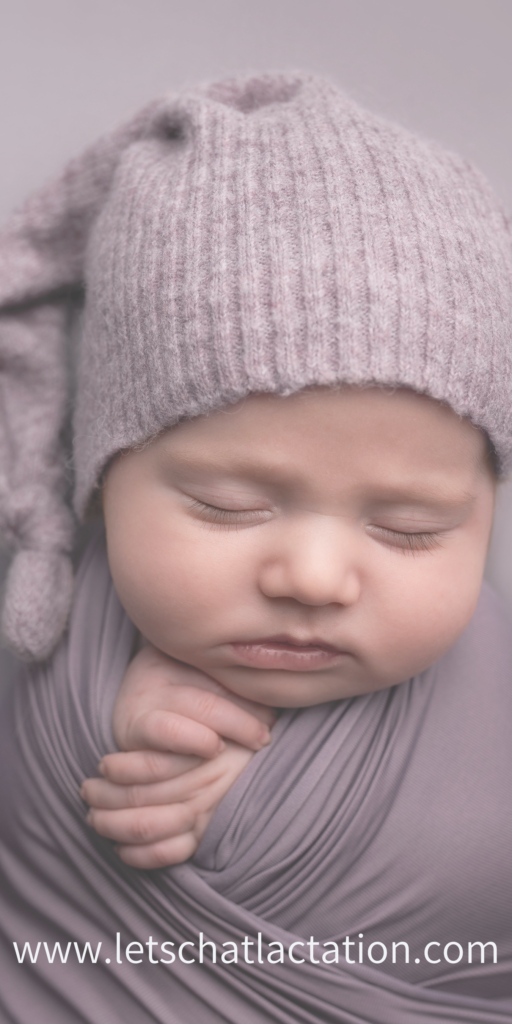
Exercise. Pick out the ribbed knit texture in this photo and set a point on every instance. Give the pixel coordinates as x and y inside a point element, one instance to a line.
<point>263,235</point>
<point>267,235</point>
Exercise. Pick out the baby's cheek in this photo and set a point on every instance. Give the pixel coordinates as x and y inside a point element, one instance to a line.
<point>426,621</point>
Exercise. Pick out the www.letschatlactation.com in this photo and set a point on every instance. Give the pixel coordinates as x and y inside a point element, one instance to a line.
<point>252,950</point>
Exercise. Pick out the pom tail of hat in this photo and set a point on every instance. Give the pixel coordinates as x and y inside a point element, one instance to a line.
<point>42,251</point>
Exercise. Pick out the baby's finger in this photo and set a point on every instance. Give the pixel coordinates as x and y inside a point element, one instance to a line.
<point>139,767</point>
<point>144,825</point>
<point>99,793</point>
<point>216,713</point>
<point>167,731</point>
<point>160,855</point>
<point>260,711</point>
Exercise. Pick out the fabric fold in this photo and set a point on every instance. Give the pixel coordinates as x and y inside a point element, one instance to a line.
<point>387,815</point>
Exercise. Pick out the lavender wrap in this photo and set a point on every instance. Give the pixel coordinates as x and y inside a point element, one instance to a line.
<point>389,814</point>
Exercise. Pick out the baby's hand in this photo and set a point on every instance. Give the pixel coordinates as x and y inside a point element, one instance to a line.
<point>166,705</point>
<point>157,804</point>
<point>160,823</point>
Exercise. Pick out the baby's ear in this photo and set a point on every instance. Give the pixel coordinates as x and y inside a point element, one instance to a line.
<point>42,258</point>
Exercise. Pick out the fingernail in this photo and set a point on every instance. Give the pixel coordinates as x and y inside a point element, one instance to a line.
<point>88,817</point>
<point>265,737</point>
<point>221,746</point>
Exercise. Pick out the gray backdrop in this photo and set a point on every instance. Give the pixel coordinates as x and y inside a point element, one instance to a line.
<point>72,69</point>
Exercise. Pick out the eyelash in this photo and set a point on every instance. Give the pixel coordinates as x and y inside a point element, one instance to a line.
<point>230,518</point>
<point>408,543</point>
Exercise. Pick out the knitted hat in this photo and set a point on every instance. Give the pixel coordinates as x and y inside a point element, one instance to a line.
<point>254,235</point>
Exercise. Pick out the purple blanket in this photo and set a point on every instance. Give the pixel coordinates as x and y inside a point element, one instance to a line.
<point>388,815</point>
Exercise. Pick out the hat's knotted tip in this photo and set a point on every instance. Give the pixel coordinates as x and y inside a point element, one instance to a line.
<point>37,601</point>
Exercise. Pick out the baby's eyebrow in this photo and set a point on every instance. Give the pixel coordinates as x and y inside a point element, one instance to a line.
<point>434,500</point>
<point>415,495</point>
<point>235,465</point>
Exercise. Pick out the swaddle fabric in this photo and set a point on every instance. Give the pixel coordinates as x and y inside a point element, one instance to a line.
<point>388,815</point>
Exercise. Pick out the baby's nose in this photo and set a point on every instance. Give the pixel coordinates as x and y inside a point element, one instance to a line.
<point>313,563</point>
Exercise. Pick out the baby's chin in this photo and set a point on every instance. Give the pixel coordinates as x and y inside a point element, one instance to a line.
<point>290,689</point>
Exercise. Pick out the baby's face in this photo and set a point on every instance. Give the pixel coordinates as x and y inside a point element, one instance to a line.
<point>304,549</point>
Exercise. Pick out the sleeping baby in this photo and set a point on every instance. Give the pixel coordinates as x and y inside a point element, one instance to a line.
<point>292,411</point>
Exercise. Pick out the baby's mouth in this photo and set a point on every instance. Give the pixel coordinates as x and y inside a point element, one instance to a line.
<point>284,653</point>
